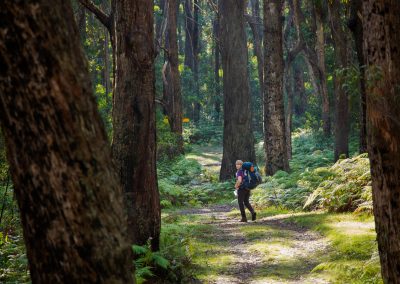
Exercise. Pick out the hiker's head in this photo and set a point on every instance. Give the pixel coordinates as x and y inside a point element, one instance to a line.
<point>239,164</point>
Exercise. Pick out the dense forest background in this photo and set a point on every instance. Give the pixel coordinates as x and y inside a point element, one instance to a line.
<point>185,88</point>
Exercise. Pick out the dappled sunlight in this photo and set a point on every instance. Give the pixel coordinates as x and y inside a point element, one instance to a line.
<point>355,228</point>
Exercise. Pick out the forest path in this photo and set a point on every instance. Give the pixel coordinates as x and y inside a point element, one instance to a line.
<point>269,250</point>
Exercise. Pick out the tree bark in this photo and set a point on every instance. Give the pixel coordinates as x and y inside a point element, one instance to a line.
<point>238,136</point>
<point>217,99</point>
<point>192,51</point>
<point>274,126</point>
<point>189,23</point>
<point>106,54</point>
<point>106,70</point>
<point>67,190</point>
<point>320,50</point>
<point>256,27</point>
<point>381,31</point>
<point>134,139</point>
<point>82,23</point>
<point>299,89</point>
<point>355,25</point>
<point>289,110</point>
<point>339,36</point>
<point>172,85</point>
<point>196,50</point>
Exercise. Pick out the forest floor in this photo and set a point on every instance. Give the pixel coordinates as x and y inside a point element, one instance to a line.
<point>279,247</point>
<point>268,250</point>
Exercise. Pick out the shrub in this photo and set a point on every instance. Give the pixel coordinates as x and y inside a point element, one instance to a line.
<point>345,187</point>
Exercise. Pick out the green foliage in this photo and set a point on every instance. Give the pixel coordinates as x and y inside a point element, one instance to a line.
<point>148,263</point>
<point>175,247</point>
<point>167,141</point>
<point>204,133</point>
<point>104,106</point>
<point>314,183</point>
<point>346,186</point>
<point>13,260</point>
<point>182,182</point>
<point>3,161</point>
<point>290,190</point>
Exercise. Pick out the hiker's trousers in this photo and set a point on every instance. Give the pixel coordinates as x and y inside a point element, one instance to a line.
<point>243,200</point>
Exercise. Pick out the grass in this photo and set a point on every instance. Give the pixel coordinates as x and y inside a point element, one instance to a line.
<point>353,257</point>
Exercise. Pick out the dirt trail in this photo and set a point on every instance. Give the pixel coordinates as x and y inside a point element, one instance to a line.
<point>268,250</point>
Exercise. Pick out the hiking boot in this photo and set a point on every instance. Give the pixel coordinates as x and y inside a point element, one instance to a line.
<point>253,216</point>
<point>243,220</point>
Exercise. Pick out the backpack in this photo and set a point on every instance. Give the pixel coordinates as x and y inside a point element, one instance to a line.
<point>252,176</point>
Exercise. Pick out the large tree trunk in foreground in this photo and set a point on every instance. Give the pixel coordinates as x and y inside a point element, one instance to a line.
<point>134,119</point>
<point>65,184</point>
<point>172,85</point>
<point>274,127</point>
<point>238,135</point>
<point>342,102</point>
<point>381,30</point>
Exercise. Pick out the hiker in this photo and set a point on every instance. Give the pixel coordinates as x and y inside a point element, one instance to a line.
<point>243,194</point>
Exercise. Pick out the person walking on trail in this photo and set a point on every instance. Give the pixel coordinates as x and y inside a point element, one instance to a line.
<point>243,194</point>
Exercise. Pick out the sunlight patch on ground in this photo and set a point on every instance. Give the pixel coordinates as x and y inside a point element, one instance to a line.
<point>276,250</point>
<point>265,232</point>
<point>355,228</point>
<point>205,158</point>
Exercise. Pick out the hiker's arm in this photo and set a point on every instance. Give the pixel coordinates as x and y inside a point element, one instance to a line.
<point>238,182</point>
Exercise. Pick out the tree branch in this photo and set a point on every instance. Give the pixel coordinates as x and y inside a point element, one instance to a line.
<point>100,15</point>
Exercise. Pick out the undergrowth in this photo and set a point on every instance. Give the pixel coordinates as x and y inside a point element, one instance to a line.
<point>182,182</point>
<point>314,181</point>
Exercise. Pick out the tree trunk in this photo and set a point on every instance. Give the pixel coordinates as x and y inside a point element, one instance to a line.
<point>342,105</point>
<point>299,89</point>
<point>289,110</point>
<point>134,119</point>
<point>256,26</point>
<point>82,23</point>
<point>255,22</point>
<point>355,25</point>
<point>172,86</point>
<point>196,50</point>
<point>106,70</point>
<point>192,50</point>
<point>67,190</point>
<point>381,31</point>
<point>189,23</point>
<point>274,126</point>
<point>217,99</point>
<point>238,136</point>
<point>106,54</point>
<point>320,50</point>
<point>179,33</point>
